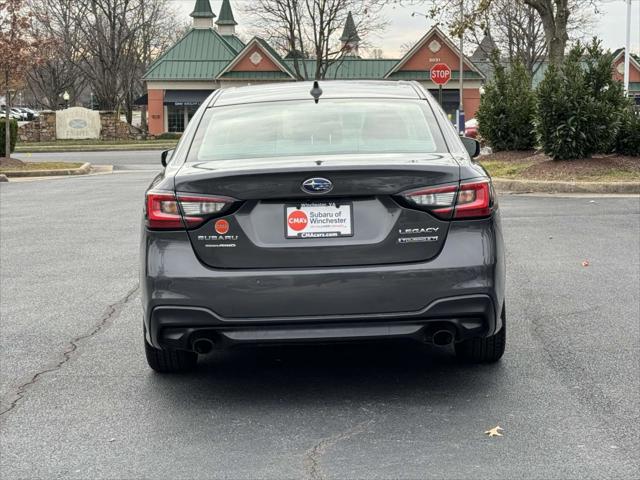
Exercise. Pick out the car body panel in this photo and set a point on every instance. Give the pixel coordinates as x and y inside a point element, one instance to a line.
<point>363,285</point>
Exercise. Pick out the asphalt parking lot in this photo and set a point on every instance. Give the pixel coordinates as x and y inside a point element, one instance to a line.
<point>78,400</point>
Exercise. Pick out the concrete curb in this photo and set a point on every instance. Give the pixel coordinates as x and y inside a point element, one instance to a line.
<point>83,170</point>
<point>539,186</point>
<point>101,169</point>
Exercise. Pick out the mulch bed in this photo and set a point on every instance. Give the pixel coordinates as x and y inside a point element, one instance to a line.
<point>544,168</point>
<point>10,162</point>
<point>586,167</point>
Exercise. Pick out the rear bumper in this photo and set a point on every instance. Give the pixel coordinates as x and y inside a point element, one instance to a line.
<point>464,317</point>
<point>461,290</point>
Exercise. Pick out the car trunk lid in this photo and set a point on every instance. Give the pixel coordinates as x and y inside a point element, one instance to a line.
<point>360,221</point>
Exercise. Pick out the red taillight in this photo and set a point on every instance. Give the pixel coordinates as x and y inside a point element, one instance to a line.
<point>469,200</point>
<point>474,200</point>
<point>165,211</point>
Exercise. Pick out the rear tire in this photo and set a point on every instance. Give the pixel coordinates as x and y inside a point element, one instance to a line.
<point>169,360</point>
<point>486,349</point>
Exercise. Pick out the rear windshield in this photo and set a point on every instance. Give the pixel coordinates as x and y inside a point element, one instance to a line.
<point>292,128</point>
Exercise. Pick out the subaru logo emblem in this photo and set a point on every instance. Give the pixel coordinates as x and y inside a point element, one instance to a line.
<point>317,185</point>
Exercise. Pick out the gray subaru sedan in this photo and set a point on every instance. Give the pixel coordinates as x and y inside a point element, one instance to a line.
<point>299,212</point>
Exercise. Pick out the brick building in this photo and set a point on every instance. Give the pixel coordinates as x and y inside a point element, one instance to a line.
<point>210,57</point>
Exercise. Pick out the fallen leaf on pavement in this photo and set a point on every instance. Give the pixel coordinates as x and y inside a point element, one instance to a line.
<point>495,431</point>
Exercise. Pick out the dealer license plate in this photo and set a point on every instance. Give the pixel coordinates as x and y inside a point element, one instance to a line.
<point>319,220</point>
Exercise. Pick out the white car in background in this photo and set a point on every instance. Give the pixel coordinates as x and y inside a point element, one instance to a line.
<point>14,116</point>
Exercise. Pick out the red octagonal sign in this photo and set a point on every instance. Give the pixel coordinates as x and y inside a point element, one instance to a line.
<point>440,73</point>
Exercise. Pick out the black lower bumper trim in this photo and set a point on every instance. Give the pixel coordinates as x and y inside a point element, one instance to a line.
<point>465,317</point>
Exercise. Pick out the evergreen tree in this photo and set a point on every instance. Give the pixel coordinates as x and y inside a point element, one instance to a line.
<point>507,109</point>
<point>580,105</point>
<point>628,139</point>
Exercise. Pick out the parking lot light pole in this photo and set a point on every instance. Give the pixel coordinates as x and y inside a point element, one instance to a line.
<point>460,73</point>
<point>627,49</point>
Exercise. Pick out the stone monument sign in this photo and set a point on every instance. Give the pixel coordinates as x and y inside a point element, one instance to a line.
<point>77,123</point>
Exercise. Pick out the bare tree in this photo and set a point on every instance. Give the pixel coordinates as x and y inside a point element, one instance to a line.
<point>554,17</point>
<point>309,28</point>
<point>18,47</point>
<point>58,72</point>
<point>283,22</point>
<point>118,40</point>
<point>515,30</point>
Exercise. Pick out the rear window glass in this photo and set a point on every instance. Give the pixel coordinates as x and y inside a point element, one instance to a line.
<point>281,129</point>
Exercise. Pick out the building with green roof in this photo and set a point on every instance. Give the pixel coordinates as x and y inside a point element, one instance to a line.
<point>211,56</point>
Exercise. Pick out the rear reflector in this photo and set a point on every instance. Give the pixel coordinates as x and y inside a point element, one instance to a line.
<point>470,200</point>
<point>165,211</point>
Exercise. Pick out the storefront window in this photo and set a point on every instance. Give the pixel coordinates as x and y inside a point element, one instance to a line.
<point>450,101</point>
<point>175,119</point>
<point>179,116</point>
<point>191,111</point>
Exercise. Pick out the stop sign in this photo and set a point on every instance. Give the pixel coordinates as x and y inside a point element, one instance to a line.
<point>440,73</point>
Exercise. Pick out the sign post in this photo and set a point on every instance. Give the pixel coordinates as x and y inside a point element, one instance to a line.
<point>440,75</point>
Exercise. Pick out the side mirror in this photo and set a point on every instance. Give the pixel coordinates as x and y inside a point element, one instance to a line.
<point>165,157</point>
<point>472,146</point>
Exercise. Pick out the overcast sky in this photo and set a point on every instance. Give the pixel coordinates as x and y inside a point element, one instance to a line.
<point>403,28</point>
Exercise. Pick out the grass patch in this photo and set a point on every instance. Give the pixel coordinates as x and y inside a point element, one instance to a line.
<point>505,169</point>
<point>41,166</point>
<point>94,145</point>
<point>610,176</point>
<point>599,168</point>
<point>95,142</point>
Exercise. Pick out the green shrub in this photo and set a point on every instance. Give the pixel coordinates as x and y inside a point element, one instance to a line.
<point>608,95</point>
<point>507,108</point>
<point>579,105</point>
<point>565,110</point>
<point>13,128</point>
<point>169,136</point>
<point>628,139</point>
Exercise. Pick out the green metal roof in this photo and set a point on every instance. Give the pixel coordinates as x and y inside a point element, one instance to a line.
<point>350,33</point>
<point>234,42</point>
<point>203,10</point>
<point>359,68</point>
<point>618,51</point>
<point>255,76</point>
<point>200,55</point>
<point>226,14</point>
<point>203,54</point>
<point>348,69</point>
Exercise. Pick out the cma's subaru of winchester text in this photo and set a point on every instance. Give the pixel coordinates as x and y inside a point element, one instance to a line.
<point>296,214</point>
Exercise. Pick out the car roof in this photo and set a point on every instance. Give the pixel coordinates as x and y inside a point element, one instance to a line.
<point>301,91</point>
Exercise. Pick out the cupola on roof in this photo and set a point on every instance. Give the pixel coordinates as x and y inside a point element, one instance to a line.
<point>203,10</point>
<point>226,14</point>
<point>350,33</point>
